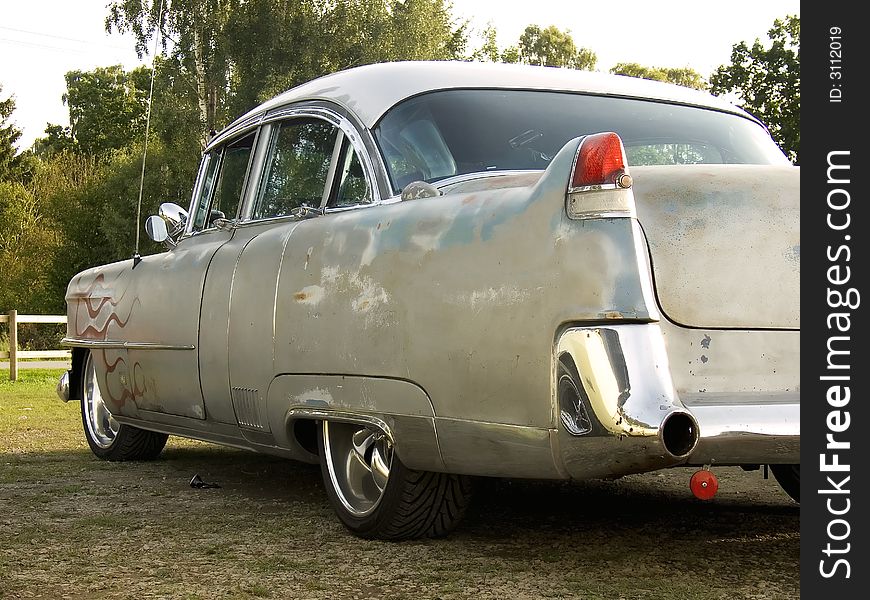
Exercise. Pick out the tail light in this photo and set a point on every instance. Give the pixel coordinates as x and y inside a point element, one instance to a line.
<point>600,184</point>
<point>600,163</point>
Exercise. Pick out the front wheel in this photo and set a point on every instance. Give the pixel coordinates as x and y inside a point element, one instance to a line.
<point>108,439</point>
<point>789,478</point>
<point>376,496</point>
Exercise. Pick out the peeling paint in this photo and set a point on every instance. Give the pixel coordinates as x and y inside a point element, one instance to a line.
<point>502,296</point>
<point>308,257</point>
<point>311,294</point>
<point>313,396</point>
<point>705,343</point>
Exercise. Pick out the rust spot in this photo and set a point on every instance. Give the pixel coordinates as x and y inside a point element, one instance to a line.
<point>300,296</point>
<point>363,304</point>
<point>469,199</point>
<point>613,314</point>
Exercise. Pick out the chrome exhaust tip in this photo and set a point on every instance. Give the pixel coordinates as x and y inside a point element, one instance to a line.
<point>679,434</point>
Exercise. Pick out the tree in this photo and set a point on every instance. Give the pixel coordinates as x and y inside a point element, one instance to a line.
<point>767,82</point>
<point>685,76</point>
<point>10,160</point>
<point>489,50</point>
<point>238,53</point>
<point>195,29</point>
<point>552,47</point>
<point>106,107</point>
<point>273,45</point>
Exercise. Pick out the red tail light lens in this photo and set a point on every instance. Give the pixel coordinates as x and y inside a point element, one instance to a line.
<point>600,160</point>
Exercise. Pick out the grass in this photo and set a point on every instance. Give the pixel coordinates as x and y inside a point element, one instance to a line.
<point>75,527</point>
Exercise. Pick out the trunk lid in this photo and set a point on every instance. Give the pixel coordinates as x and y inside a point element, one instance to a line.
<point>724,242</point>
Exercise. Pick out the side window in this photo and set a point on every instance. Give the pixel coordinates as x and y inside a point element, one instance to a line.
<point>231,183</point>
<point>297,167</point>
<point>200,206</point>
<point>352,187</point>
<point>223,182</point>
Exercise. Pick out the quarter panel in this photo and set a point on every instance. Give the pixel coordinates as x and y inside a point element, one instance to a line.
<point>461,293</point>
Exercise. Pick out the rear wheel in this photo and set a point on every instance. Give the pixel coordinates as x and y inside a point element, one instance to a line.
<point>789,478</point>
<point>108,439</point>
<point>376,496</point>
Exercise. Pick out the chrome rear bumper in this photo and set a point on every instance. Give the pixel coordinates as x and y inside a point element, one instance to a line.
<point>739,429</point>
<point>620,412</point>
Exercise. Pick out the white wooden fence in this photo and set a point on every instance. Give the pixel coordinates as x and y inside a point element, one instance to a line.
<point>14,354</point>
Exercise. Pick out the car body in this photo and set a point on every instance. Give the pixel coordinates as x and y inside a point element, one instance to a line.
<point>448,269</point>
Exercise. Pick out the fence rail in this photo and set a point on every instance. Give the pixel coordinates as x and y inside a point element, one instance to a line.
<point>15,355</point>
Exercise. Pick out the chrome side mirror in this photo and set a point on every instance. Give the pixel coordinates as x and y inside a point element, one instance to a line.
<point>169,223</point>
<point>175,217</point>
<point>155,227</point>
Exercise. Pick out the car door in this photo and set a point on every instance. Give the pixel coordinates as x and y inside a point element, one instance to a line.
<point>310,166</point>
<point>169,288</point>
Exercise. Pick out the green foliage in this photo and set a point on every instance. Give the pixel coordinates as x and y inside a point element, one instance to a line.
<point>27,246</point>
<point>553,47</point>
<point>106,107</point>
<point>685,76</point>
<point>490,52</point>
<point>310,39</point>
<point>235,54</point>
<point>767,82</point>
<point>549,47</point>
<point>98,212</point>
<point>10,160</point>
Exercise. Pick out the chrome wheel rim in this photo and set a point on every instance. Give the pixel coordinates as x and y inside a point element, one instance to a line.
<point>359,460</point>
<point>102,427</point>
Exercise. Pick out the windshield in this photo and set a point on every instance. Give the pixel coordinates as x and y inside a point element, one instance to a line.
<point>453,132</point>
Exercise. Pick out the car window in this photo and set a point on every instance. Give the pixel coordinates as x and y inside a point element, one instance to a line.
<point>352,189</point>
<point>228,191</point>
<point>211,162</point>
<point>453,132</point>
<point>223,182</point>
<point>296,167</point>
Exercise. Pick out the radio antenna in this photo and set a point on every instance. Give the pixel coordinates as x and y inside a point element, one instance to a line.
<point>137,258</point>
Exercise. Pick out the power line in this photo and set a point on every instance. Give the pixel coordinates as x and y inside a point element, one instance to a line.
<point>81,51</point>
<point>60,37</point>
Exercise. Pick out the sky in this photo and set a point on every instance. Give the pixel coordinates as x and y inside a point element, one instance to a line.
<point>40,40</point>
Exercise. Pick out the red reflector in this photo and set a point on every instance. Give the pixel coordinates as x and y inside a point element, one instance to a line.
<point>704,485</point>
<point>600,160</point>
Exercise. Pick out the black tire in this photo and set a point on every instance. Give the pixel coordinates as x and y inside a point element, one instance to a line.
<point>413,504</point>
<point>789,478</point>
<point>107,439</point>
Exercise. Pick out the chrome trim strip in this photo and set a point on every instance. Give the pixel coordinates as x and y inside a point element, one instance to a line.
<point>341,416</point>
<point>122,345</point>
<point>463,177</point>
<point>597,202</point>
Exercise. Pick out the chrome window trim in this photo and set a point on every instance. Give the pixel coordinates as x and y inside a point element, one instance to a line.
<point>258,162</point>
<point>238,129</point>
<point>191,219</point>
<point>333,169</point>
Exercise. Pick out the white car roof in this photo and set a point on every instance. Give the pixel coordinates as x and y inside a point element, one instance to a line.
<point>371,90</point>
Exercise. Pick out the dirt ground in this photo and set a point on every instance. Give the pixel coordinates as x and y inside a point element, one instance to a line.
<point>75,527</point>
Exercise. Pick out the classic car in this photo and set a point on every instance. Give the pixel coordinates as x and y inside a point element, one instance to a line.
<point>415,273</point>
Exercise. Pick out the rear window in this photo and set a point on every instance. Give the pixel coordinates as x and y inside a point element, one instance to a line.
<point>454,132</point>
